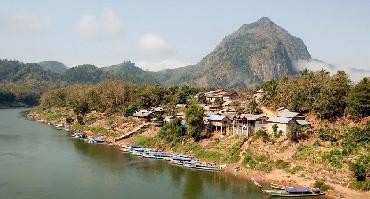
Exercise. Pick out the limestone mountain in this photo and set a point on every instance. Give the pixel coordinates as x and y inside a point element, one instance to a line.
<point>254,53</point>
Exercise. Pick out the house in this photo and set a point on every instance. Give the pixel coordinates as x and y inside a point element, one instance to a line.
<point>143,114</point>
<point>158,110</point>
<point>259,95</point>
<point>219,95</point>
<point>219,122</point>
<point>282,123</point>
<point>248,124</point>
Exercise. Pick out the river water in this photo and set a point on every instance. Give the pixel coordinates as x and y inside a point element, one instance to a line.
<point>37,161</point>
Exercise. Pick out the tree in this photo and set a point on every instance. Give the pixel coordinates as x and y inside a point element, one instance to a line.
<point>358,99</point>
<point>173,132</point>
<point>361,167</point>
<point>194,117</point>
<point>331,102</point>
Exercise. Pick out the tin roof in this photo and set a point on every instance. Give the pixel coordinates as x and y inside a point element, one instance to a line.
<point>281,120</point>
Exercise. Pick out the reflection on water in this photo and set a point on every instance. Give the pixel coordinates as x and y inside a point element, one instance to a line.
<point>38,161</point>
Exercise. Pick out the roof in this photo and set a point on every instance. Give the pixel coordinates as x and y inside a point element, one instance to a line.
<point>216,117</point>
<point>303,122</point>
<point>281,120</point>
<point>142,113</point>
<point>297,189</point>
<point>251,116</point>
<point>287,113</point>
<point>158,109</point>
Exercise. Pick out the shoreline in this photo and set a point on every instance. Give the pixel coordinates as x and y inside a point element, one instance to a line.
<point>275,176</point>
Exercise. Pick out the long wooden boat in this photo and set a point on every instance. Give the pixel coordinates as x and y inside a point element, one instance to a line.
<point>294,192</point>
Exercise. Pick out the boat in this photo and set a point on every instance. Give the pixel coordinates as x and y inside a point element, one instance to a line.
<point>256,183</point>
<point>79,134</point>
<point>137,153</point>
<point>294,192</point>
<point>59,127</point>
<point>208,167</point>
<point>95,140</point>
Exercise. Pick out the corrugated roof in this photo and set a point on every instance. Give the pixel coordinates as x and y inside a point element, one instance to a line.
<point>282,120</point>
<point>303,122</point>
<point>287,113</point>
<point>216,117</point>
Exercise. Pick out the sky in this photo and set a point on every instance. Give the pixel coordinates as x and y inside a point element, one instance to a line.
<point>158,34</point>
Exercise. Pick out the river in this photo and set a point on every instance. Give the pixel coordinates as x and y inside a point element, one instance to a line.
<point>37,161</point>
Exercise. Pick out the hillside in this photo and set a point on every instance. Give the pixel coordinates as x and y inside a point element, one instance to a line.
<point>256,52</point>
<point>53,66</point>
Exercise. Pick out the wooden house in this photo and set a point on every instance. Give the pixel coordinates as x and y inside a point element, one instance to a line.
<point>219,123</point>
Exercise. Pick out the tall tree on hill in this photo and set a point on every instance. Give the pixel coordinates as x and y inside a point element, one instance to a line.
<point>331,102</point>
<point>194,117</point>
<point>358,99</point>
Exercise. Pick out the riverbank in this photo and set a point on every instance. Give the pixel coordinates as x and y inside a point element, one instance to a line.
<point>216,150</point>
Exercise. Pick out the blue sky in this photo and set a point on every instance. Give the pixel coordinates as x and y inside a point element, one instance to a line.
<point>160,34</point>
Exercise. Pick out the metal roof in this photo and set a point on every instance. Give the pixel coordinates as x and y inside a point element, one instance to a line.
<point>287,113</point>
<point>216,117</point>
<point>303,122</point>
<point>282,120</point>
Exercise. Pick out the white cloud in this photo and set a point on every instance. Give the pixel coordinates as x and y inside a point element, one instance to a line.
<point>90,26</point>
<point>25,22</point>
<point>160,65</point>
<point>155,43</point>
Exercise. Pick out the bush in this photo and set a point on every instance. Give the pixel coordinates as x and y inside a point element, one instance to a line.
<point>361,185</point>
<point>327,134</point>
<point>262,134</point>
<point>361,167</point>
<point>249,162</point>
<point>265,167</point>
<point>333,157</point>
<point>295,169</point>
<point>130,110</point>
<point>321,185</point>
<point>303,152</point>
<point>69,120</point>
<point>262,158</point>
<point>281,164</point>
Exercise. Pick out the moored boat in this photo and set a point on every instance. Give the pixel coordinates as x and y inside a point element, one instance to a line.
<point>294,192</point>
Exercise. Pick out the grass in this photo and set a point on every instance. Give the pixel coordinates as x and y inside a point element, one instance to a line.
<point>281,164</point>
<point>295,169</point>
<point>54,116</point>
<point>333,157</point>
<point>360,185</point>
<point>303,152</point>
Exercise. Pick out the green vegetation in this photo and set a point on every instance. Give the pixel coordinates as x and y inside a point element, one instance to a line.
<point>173,132</point>
<point>112,97</point>
<point>194,117</point>
<point>321,185</point>
<point>263,134</point>
<point>303,152</point>
<point>327,96</point>
<point>281,164</point>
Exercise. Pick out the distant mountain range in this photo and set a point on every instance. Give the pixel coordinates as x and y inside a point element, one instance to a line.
<point>255,53</point>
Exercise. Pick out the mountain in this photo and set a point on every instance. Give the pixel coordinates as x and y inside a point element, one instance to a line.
<point>256,52</point>
<point>53,66</point>
<point>15,71</point>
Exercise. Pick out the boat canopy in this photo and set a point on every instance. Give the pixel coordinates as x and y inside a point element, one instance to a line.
<point>297,190</point>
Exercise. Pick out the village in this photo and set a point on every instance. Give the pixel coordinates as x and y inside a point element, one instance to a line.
<point>222,118</point>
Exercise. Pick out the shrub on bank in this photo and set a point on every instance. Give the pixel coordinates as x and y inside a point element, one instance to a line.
<point>321,185</point>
